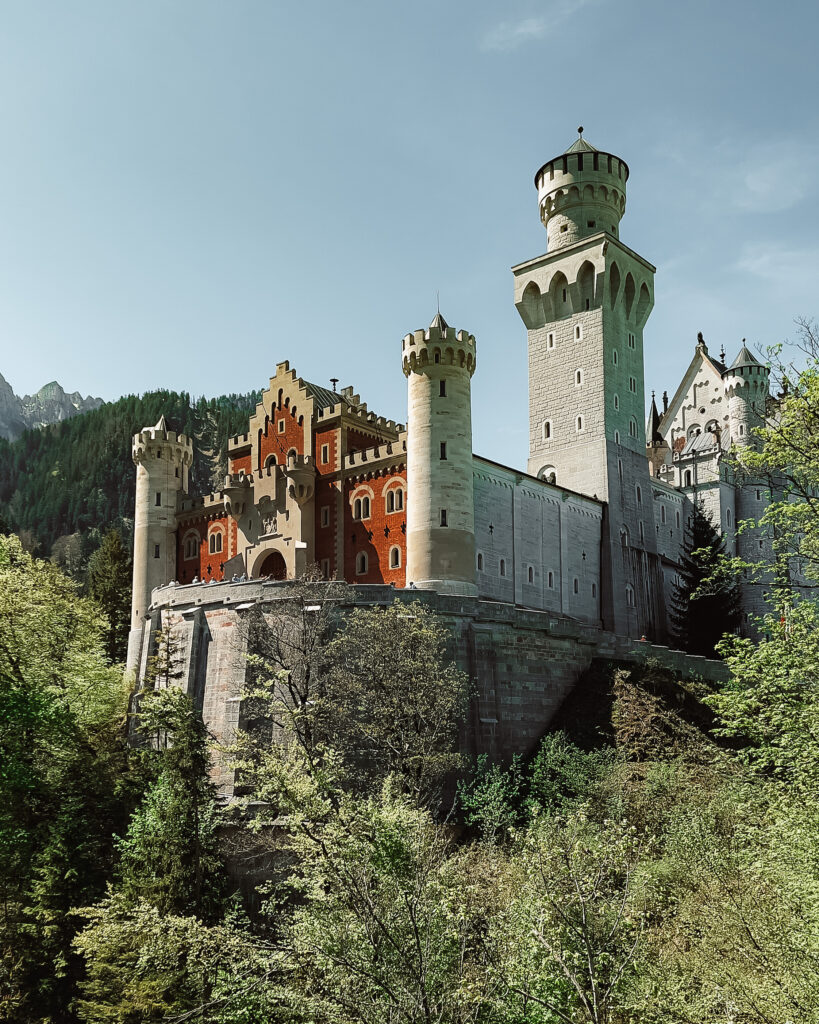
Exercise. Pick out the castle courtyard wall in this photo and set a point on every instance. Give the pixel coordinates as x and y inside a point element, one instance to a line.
<point>522,663</point>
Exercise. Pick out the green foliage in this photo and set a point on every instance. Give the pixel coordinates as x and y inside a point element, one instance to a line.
<point>169,857</point>
<point>560,776</point>
<point>109,584</point>
<point>63,778</point>
<point>145,965</point>
<point>77,475</point>
<point>705,603</point>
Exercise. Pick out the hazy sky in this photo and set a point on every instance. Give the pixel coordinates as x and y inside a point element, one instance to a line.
<point>191,192</point>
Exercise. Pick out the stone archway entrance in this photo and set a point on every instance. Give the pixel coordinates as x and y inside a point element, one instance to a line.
<point>274,565</point>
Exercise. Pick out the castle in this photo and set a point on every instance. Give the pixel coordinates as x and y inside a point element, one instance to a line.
<point>591,532</point>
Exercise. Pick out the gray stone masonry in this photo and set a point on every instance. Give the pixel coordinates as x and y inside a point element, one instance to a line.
<point>522,663</point>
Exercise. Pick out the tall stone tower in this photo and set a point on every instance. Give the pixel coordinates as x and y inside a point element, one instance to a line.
<point>438,364</point>
<point>163,460</point>
<point>747,384</point>
<point>585,304</point>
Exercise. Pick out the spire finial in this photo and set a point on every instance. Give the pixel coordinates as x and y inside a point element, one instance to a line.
<point>722,353</point>
<point>580,130</point>
<point>334,381</point>
<point>652,394</point>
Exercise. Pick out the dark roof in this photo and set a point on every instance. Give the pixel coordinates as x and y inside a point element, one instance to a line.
<point>745,358</point>
<point>323,397</point>
<point>581,146</point>
<point>653,435</point>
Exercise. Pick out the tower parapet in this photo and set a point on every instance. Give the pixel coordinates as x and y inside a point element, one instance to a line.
<point>581,192</point>
<point>438,364</point>
<point>746,386</point>
<point>163,459</point>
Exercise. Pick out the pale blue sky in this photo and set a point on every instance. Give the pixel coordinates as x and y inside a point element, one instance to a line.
<point>191,192</point>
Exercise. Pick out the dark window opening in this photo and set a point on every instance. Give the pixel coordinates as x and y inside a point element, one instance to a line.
<point>442,388</point>
<point>443,450</point>
<point>443,517</point>
<point>158,500</point>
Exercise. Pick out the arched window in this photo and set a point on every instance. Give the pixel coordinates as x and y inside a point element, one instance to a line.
<point>629,595</point>
<point>269,461</point>
<point>632,427</point>
<point>361,563</point>
<point>624,536</point>
<point>215,542</point>
<point>547,430</point>
<point>687,478</point>
<point>365,508</point>
<point>531,574</point>
<point>191,545</point>
<point>395,558</point>
<point>292,454</point>
<point>503,567</point>
<point>579,424</point>
<point>357,508</point>
<point>480,561</point>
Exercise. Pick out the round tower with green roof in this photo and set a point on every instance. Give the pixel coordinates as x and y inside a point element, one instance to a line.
<point>581,193</point>
<point>746,387</point>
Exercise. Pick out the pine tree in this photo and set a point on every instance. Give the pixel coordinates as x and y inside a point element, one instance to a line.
<point>704,605</point>
<point>109,583</point>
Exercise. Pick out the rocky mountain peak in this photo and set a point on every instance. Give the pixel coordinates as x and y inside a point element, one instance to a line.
<point>50,404</point>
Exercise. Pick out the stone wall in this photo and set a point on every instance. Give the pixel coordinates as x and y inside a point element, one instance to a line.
<point>522,663</point>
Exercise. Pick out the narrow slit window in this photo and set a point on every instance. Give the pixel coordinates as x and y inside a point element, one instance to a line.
<point>158,498</point>
<point>442,388</point>
<point>443,451</point>
<point>443,517</point>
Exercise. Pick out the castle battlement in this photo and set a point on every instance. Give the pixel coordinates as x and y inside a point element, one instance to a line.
<point>378,453</point>
<point>440,344</point>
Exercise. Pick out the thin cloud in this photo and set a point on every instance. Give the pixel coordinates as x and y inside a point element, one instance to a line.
<point>509,35</point>
<point>763,185</point>
<point>790,269</point>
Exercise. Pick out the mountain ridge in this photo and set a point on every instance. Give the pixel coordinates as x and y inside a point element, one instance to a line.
<point>51,404</point>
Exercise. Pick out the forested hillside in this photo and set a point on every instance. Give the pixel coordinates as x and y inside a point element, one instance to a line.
<point>77,476</point>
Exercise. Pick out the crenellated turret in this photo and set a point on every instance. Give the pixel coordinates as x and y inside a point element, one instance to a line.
<point>746,386</point>
<point>581,193</point>
<point>163,459</point>
<point>438,364</point>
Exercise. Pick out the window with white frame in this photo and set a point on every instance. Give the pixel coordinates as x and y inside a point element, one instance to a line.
<point>395,499</point>
<point>325,453</point>
<point>215,542</point>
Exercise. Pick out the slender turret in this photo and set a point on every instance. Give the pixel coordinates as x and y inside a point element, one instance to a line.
<point>439,364</point>
<point>746,386</point>
<point>163,460</point>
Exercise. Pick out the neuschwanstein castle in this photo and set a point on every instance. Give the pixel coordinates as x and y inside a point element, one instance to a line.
<point>590,531</point>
